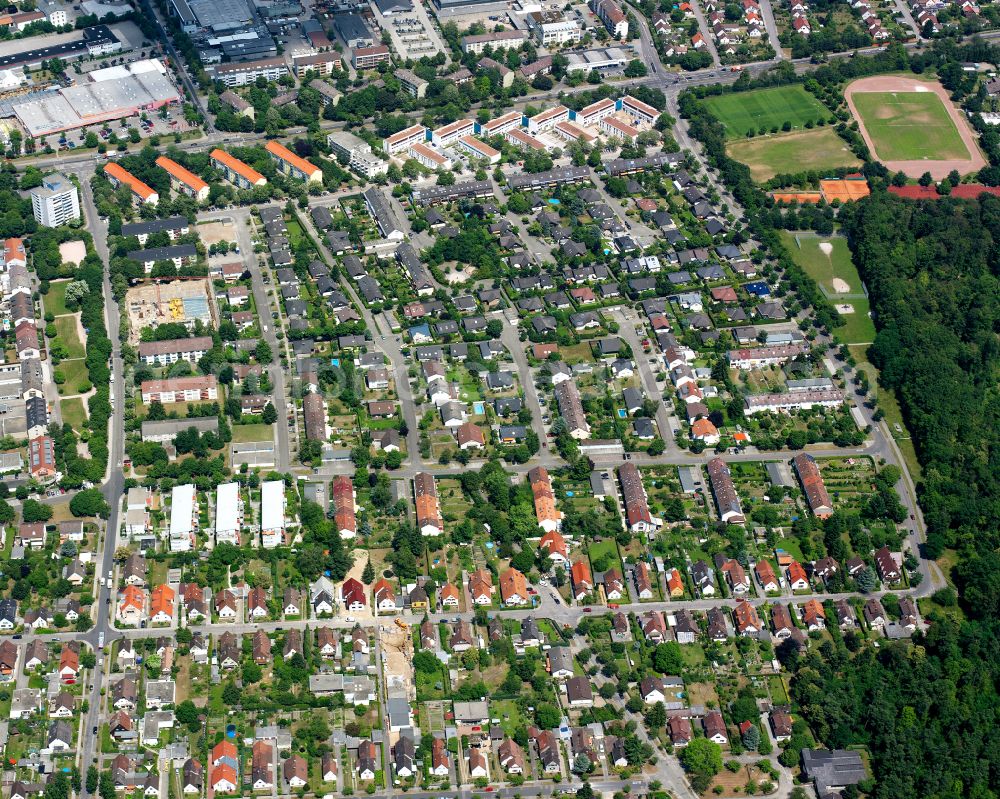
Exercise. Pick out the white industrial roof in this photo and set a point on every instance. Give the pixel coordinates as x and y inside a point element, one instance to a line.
<point>272,505</point>
<point>87,103</point>
<point>181,510</point>
<point>227,508</point>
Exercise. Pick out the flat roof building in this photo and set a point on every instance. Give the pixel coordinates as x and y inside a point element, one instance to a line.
<point>241,73</point>
<point>272,513</point>
<point>182,517</point>
<point>228,514</point>
<point>56,202</point>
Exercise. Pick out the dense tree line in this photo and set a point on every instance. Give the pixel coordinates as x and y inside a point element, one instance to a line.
<point>928,713</point>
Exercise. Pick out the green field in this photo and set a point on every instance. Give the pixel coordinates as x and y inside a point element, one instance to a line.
<point>75,372</point>
<point>837,277</point>
<point>249,433</point>
<point>743,112</point>
<point>910,126</point>
<point>68,333</point>
<point>55,300</point>
<point>73,413</point>
<point>819,149</point>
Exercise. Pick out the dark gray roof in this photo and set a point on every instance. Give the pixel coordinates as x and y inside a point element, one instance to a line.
<point>164,253</point>
<point>154,226</point>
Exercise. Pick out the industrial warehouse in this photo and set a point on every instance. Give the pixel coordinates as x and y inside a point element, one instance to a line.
<point>109,94</point>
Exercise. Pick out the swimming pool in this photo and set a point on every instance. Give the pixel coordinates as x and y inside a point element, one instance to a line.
<point>622,413</point>
<point>478,407</point>
<point>553,201</point>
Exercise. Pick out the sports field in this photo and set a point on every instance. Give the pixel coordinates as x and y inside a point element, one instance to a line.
<point>817,149</point>
<point>742,112</point>
<point>910,126</point>
<point>827,260</point>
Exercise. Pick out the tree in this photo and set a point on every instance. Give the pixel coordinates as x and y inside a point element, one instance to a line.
<point>667,658</point>
<point>751,738</point>
<point>231,694</point>
<point>34,511</point>
<point>866,580</point>
<point>270,415</point>
<point>368,575</point>
<point>582,764</point>
<point>187,714</point>
<point>251,673</point>
<point>75,292</point>
<point>89,502</point>
<point>92,778</point>
<point>547,717</point>
<point>656,716</point>
<point>263,352</point>
<point>702,756</point>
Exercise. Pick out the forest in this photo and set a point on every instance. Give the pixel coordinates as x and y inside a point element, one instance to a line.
<point>928,712</point>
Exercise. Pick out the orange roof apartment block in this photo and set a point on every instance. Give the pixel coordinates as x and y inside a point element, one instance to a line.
<point>429,519</point>
<point>236,172</point>
<point>549,518</point>
<point>812,485</point>
<point>183,180</point>
<point>122,177</point>
<point>343,504</point>
<point>291,164</point>
<point>513,588</point>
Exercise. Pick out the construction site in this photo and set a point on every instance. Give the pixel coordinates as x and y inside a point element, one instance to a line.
<point>396,645</point>
<point>186,301</point>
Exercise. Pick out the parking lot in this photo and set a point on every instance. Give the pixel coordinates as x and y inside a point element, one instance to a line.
<point>148,125</point>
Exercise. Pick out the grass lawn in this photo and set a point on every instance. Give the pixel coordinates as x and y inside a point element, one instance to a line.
<point>55,300</point>
<point>73,412</point>
<point>75,372</point>
<point>817,149</point>
<point>158,572</point>
<point>910,126</point>
<point>246,433</point>
<point>69,334</point>
<point>606,550</point>
<point>858,327</point>
<point>509,713</point>
<point>741,112</point>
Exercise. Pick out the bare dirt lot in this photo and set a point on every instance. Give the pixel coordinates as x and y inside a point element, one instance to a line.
<point>72,252</point>
<point>216,232</point>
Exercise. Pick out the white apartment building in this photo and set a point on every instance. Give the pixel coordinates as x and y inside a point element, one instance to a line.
<point>183,518</point>
<point>56,202</point>
<point>404,139</point>
<point>272,513</point>
<point>228,514</point>
<point>552,29</point>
